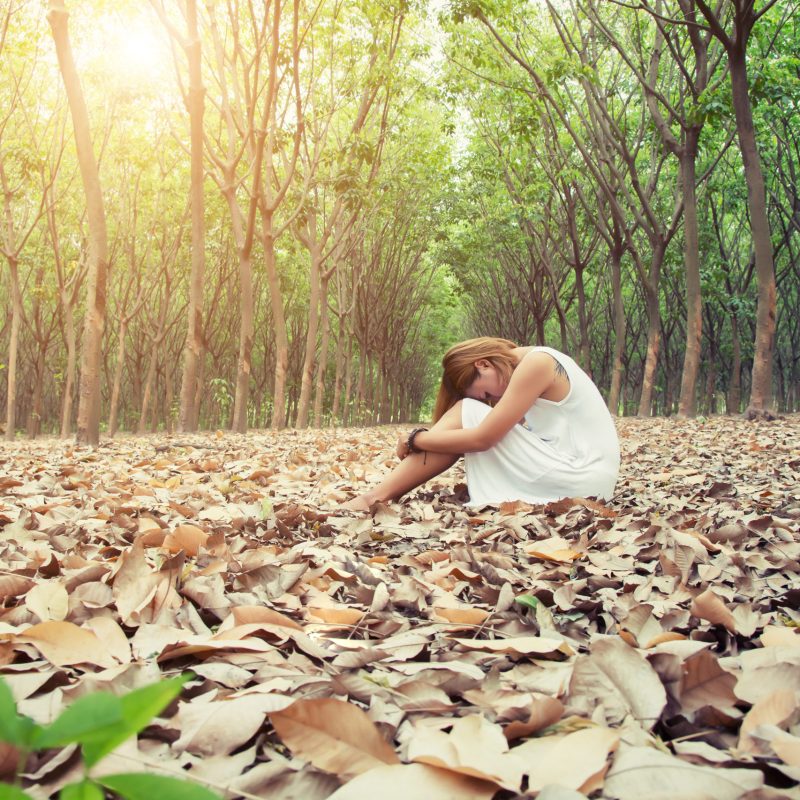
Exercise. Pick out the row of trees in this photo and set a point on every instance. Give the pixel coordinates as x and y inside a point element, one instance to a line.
<point>241,266</point>
<point>282,215</point>
<point>638,169</point>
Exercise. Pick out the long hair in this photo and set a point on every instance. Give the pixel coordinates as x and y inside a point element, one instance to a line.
<point>459,369</point>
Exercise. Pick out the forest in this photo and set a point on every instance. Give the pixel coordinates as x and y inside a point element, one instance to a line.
<point>235,215</point>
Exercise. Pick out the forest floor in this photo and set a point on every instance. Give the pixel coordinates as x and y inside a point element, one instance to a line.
<point>644,647</point>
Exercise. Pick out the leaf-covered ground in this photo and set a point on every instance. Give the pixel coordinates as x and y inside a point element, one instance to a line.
<point>644,647</point>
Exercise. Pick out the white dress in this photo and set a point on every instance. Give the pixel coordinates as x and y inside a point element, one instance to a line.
<point>568,448</point>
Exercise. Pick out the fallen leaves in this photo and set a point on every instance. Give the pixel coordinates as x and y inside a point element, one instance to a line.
<point>335,736</point>
<point>646,646</point>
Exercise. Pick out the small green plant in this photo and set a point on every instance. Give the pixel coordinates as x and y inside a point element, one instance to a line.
<point>98,722</point>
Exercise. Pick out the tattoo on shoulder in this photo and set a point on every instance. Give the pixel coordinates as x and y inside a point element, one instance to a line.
<point>559,367</point>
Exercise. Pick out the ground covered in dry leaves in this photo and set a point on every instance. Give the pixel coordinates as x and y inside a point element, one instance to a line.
<point>647,647</point>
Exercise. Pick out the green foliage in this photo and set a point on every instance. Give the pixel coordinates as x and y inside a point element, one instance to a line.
<point>98,723</point>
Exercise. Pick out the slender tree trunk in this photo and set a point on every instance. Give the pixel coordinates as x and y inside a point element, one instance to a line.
<point>193,350</point>
<point>69,382</point>
<point>322,367</point>
<point>310,355</point>
<point>114,410</point>
<point>200,390</point>
<point>735,388</point>
<point>694,300</point>
<point>278,324</point>
<point>347,404</point>
<point>35,418</point>
<point>169,396</point>
<point>620,330</point>
<point>653,330</point>
<point>246,311</point>
<point>337,381</point>
<point>148,391</point>
<point>651,359</point>
<point>13,350</point>
<point>761,386</point>
<point>91,350</point>
<point>583,348</point>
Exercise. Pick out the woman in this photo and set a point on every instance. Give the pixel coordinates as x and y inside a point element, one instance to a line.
<point>529,422</point>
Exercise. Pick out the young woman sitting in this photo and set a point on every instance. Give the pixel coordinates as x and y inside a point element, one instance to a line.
<point>529,422</point>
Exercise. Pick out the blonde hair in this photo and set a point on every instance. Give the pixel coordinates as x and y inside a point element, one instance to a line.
<point>459,369</point>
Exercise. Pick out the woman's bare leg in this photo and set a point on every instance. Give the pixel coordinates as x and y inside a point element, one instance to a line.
<point>413,470</point>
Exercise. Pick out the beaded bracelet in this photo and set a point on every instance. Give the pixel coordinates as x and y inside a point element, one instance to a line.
<point>412,448</point>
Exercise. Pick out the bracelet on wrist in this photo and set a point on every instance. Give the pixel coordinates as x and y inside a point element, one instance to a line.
<point>412,447</point>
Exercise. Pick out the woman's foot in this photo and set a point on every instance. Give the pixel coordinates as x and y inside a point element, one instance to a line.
<point>361,502</point>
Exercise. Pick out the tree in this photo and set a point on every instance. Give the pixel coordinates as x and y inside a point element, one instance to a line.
<point>97,252</point>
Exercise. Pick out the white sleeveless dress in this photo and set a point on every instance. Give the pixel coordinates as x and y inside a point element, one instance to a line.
<point>566,449</point>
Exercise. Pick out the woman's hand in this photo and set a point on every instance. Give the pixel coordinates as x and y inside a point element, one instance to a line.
<point>402,447</point>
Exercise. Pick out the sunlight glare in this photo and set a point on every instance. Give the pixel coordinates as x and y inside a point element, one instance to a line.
<point>138,51</point>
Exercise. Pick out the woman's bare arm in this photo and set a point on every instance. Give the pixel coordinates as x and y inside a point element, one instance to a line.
<point>532,377</point>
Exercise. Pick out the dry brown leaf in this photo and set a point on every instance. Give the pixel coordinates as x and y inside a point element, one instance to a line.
<point>576,761</point>
<point>463,616</point>
<point>112,637</point>
<point>14,585</point>
<point>774,636</point>
<point>49,601</point>
<point>616,676</point>
<point>335,736</point>
<point>64,643</point>
<point>337,616</point>
<point>188,538</point>
<point>474,747</point>
<point>9,761</point>
<point>518,645</point>
<point>135,584</point>
<point>705,683</point>
<point>220,727</point>
<point>555,548</point>
<point>774,709</point>
<point>709,607</point>
<point>639,772</point>
<point>545,711</point>
<point>247,615</point>
<point>411,781</point>
<point>786,747</point>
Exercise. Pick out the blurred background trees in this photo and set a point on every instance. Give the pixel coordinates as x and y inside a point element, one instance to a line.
<point>306,202</point>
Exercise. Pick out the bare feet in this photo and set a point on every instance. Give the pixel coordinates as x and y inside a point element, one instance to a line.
<point>361,502</point>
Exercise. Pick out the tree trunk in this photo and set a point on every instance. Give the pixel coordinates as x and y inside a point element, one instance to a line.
<point>584,353</point>
<point>347,405</point>
<point>651,359</point>
<point>192,354</point>
<point>310,355</point>
<point>35,419</point>
<point>694,300</point>
<point>620,329</point>
<point>278,323</point>
<point>337,381</point>
<point>735,388</point>
<point>69,382</point>
<point>246,311</point>
<point>650,288</point>
<point>322,367</point>
<point>13,350</point>
<point>169,396</point>
<point>114,410</point>
<point>761,386</point>
<point>91,350</point>
<point>141,428</point>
